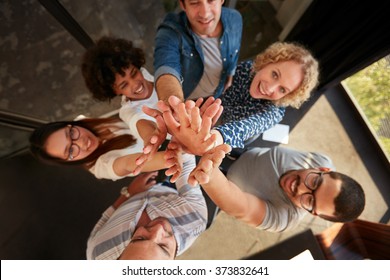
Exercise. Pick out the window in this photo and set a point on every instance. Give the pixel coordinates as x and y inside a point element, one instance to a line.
<point>370,89</point>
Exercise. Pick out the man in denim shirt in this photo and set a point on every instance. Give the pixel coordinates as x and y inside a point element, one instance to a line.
<point>196,50</point>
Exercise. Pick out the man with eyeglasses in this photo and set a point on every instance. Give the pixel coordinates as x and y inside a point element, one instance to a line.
<point>150,220</point>
<point>273,188</point>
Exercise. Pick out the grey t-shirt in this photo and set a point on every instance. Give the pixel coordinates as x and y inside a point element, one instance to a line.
<point>258,170</point>
<point>212,68</point>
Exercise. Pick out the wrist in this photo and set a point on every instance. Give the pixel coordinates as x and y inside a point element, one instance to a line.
<point>124,195</point>
<point>219,138</point>
<point>124,192</point>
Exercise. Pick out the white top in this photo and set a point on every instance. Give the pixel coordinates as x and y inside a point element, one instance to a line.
<point>103,168</point>
<point>131,111</point>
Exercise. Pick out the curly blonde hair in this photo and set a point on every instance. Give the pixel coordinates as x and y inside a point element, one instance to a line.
<point>282,51</point>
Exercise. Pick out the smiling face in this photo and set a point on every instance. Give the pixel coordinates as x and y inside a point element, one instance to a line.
<point>204,16</point>
<point>133,84</point>
<point>292,182</point>
<point>153,241</point>
<point>276,80</point>
<point>59,143</point>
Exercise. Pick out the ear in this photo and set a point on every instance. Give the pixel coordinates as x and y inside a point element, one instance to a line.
<point>182,5</point>
<point>324,169</point>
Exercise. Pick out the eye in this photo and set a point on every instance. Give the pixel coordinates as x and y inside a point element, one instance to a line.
<point>71,150</point>
<point>317,182</point>
<point>138,238</point>
<point>133,72</point>
<point>274,75</point>
<point>307,201</point>
<point>164,247</point>
<point>282,90</point>
<point>73,133</point>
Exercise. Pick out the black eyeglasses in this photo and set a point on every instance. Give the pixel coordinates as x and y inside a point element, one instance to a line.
<point>312,181</point>
<point>74,149</point>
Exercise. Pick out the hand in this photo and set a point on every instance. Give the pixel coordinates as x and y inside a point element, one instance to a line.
<point>211,107</point>
<point>142,182</point>
<point>191,131</point>
<point>211,160</point>
<point>157,138</point>
<point>173,159</point>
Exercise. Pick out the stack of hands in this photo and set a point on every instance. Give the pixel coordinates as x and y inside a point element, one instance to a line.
<point>189,123</point>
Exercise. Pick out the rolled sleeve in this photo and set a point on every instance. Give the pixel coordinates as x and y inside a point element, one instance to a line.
<point>167,70</point>
<point>167,53</point>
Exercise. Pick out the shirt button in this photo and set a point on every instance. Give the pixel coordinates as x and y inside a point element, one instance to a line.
<point>236,51</point>
<point>224,59</point>
<point>192,54</point>
<point>221,42</point>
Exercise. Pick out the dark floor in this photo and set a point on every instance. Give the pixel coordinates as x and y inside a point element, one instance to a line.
<point>49,211</point>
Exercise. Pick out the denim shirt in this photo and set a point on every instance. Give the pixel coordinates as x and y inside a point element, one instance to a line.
<point>178,51</point>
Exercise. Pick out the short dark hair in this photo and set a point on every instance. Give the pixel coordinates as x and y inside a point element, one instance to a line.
<point>350,202</point>
<point>108,57</point>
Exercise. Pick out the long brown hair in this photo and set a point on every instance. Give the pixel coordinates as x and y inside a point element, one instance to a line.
<point>103,128</point>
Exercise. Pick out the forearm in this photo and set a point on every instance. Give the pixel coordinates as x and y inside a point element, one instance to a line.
<point>236,132</point>
<point>168,85</point>
<point>146,128</point>
<point>188,165</point>
<point>126,165</point>
<point>233,201</point>
<point>119,201</point>
<point>225,194</point>
<point>219,137</point>
<point>157,162</point>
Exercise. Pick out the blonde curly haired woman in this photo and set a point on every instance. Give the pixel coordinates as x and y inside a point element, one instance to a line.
<point>282,75</point>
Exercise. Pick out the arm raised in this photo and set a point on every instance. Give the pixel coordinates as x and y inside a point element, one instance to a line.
<point>224,193</point>
<point>126,165</point>
<point>168,85</point>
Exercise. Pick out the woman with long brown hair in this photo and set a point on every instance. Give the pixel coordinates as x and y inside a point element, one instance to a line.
<point>102,145</point>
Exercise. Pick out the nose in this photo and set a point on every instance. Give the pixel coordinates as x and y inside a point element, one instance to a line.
<point>302,189</point>
<point>204,10</point>
<point>156,233</point>
<point>81,143</point>
<point>271,88</point>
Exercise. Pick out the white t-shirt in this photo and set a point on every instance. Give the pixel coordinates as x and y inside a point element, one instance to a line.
<point>131,111</point>
<point>103,168</point>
